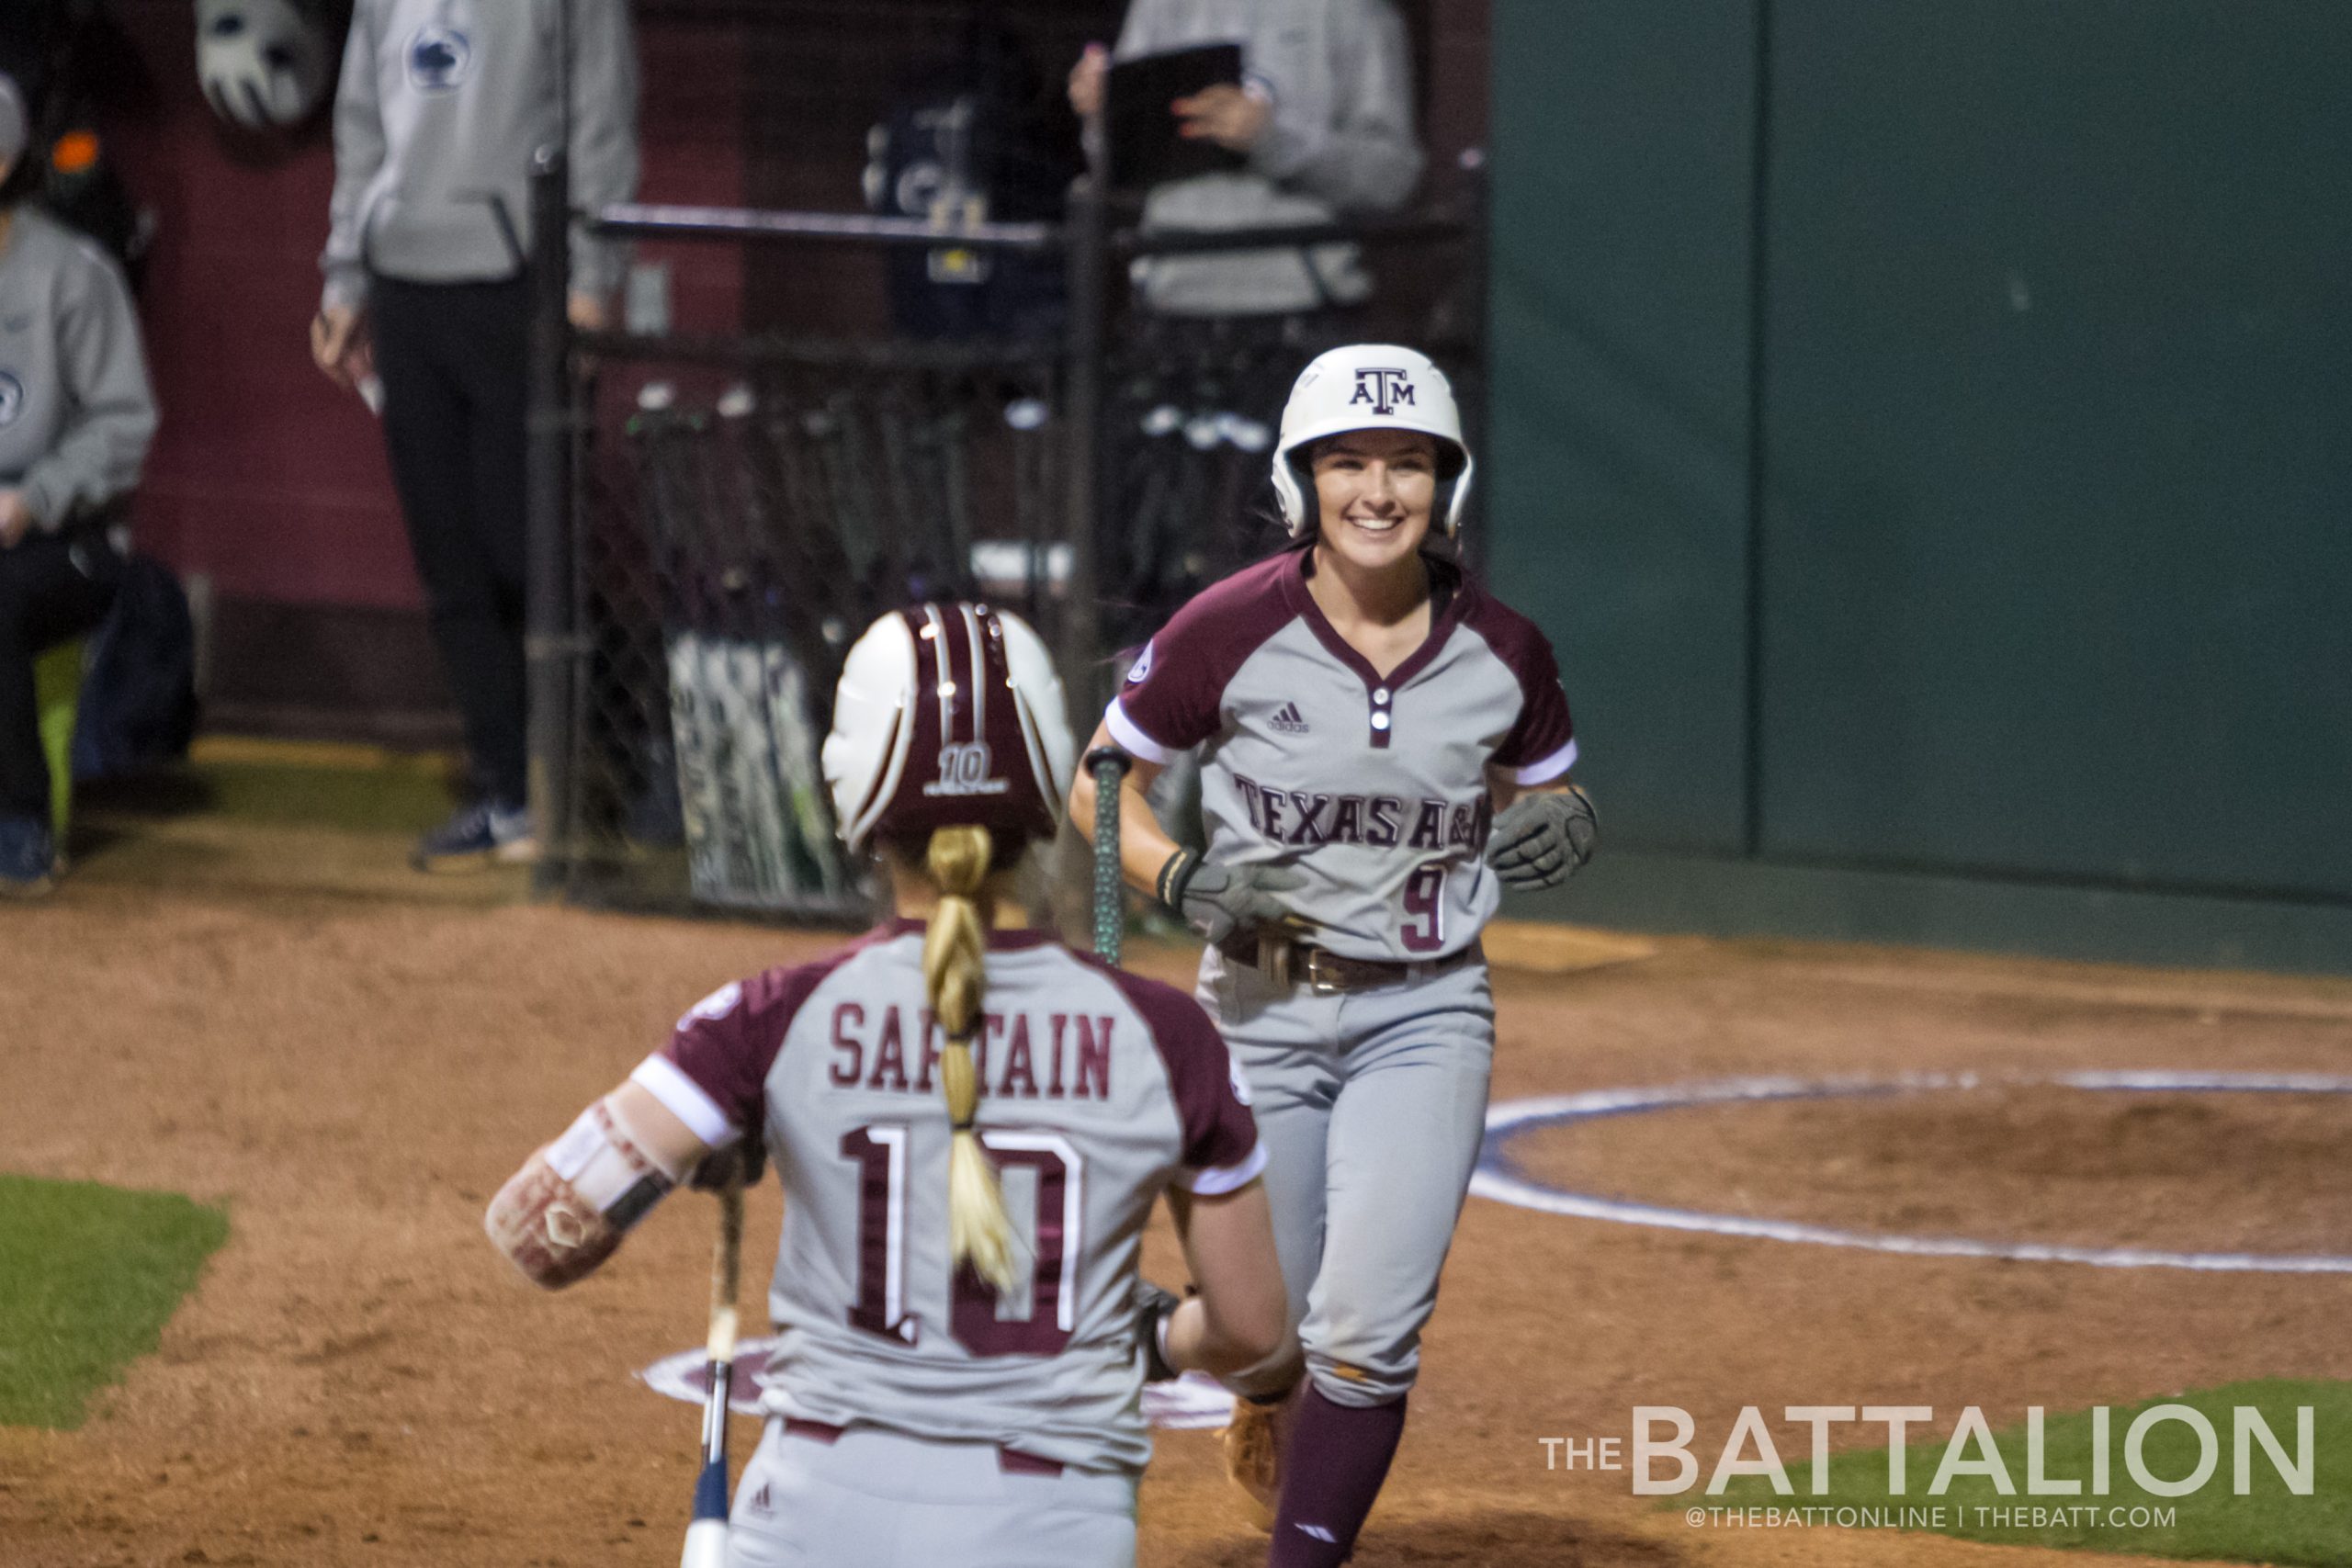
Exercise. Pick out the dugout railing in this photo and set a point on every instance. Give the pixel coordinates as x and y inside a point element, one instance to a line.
<point>715,517</point>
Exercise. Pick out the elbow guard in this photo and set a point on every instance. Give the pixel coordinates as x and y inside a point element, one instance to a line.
<point>565,1211</point>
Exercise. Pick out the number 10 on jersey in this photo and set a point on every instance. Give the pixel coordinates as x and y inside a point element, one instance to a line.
<point>882,1242</point>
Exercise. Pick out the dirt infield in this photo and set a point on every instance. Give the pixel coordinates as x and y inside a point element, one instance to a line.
<point>360,1379</point>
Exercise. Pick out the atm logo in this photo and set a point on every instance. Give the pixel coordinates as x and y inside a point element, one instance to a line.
<point>1385,391</point>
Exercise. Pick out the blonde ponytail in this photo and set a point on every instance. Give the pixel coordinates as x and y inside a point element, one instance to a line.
<point>954,974</point>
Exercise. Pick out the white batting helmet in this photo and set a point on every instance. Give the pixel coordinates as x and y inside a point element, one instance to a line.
<point>1369,386</point>
<point>263,62</point>
<point>948,714</point>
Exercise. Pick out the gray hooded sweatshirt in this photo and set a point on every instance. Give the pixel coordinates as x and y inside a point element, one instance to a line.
<point>1340,140</point>
<point>77,412</point>
<point>441,106</point>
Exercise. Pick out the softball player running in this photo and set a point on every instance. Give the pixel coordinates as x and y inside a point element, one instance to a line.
<point>1383,743</point>
<point>970,1123</point>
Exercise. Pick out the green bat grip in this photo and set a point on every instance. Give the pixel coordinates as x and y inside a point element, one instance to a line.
<point>1108,765</point>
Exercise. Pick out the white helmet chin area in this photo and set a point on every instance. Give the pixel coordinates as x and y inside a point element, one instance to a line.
<point>1369,386</point>
<point>263,63</point>
<point>948,714</point>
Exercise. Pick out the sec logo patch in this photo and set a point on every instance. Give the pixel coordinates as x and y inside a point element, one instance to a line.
<point>439,58</point>
<point>716,1006</point>
<point>12,400</point>
<point>1141,667</point>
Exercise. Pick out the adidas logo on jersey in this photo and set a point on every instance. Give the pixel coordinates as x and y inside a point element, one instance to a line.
<point>1286,719</point>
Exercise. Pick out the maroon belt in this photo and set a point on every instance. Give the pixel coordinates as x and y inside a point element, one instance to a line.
<point>1010,1461</point>
<point>1324,974</point>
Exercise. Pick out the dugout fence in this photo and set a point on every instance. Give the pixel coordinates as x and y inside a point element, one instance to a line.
<point>715,517</point>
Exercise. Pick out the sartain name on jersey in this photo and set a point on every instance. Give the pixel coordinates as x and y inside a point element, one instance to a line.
<point>963,770</point>
<point>1384,391</point>
<point>1304,818</point>
<point>1024,1057</point>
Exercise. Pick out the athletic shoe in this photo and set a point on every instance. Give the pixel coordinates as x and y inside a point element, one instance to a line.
<point>1253,1454</point>
<point>485,833</point>
<point>28,858</point>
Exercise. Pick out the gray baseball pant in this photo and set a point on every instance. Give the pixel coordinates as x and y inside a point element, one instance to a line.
<point>883,1499</point>
<point>1372,1105</point>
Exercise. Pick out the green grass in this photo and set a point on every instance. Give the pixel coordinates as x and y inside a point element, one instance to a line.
<point>88,1277</point>
<point>2269,1524</point>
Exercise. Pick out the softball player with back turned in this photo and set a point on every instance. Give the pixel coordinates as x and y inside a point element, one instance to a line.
<point>1383,744</point>
<point>970,1123</point>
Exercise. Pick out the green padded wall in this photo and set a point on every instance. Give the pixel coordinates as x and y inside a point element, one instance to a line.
<point>1619,368</point>
<point>1925,434</point>
<point>2058,441</point>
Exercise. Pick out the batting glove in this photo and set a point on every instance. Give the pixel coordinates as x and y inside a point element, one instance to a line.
<point>1542,840</point>
<point>1218,900</point>
<point>1154,1306</point>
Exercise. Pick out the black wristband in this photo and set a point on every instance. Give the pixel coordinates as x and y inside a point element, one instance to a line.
<point>1156,1306</point>
<point>1174,877</point>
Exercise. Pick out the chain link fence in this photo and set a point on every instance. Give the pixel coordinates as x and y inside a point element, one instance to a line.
<point>735,511</point>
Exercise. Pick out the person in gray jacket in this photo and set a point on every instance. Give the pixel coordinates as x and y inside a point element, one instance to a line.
<point>441,108</point>
<point>76,416</point>
<point>1325,117</point>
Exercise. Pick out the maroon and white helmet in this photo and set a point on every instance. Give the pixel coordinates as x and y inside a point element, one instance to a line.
<point>948,714</point>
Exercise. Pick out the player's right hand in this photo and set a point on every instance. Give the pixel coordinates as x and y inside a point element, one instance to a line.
<point>739,1164</point>
<point>1154,1306</point>
<point>340,348</point>
<point>1218,900</point>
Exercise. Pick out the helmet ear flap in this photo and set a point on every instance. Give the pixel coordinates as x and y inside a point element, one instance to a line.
<point>1295,488</point>
<point>1453,494</point>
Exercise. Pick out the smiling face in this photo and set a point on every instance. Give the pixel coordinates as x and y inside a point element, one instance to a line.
<point>1375,491</point>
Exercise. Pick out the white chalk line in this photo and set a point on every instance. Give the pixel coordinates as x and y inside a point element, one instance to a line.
<point>1496,1179</point>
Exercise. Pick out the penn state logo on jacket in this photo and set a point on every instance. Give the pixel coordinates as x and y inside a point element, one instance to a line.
<point>439,58</point>
<point>12,399</point>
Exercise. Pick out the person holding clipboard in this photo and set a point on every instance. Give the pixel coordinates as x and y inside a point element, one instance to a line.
<point>1308,106</point>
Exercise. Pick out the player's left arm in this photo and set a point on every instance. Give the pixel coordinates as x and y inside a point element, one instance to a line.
<point>1542,835</point>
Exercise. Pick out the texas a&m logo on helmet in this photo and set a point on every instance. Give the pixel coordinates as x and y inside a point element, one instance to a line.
<point>1383,389</point>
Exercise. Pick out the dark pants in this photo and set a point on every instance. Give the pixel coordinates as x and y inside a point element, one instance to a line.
<point>454,361</point>
<point>51,589</point>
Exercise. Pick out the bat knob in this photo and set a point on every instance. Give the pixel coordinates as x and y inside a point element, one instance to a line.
<point>706,1545</point>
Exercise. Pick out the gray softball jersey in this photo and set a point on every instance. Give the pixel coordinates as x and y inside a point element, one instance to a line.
<point>77,410</point>
<point>1372,786</point>
<point>441,104</point>
<point>1097,1091</point>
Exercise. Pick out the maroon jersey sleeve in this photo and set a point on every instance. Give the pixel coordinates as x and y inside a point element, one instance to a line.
<point>725,1045</point>
<point>1542,746</point>
<point>1220,1149</point>
<point>1174,695</point>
